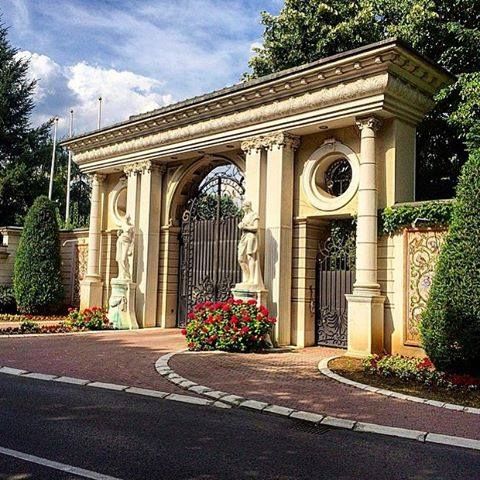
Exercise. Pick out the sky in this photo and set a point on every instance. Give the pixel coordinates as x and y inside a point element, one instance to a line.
<point>137,54</point>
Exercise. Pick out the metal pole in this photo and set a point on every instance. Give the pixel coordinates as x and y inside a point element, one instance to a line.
<point>69,172</point>
<point>99,120</point>
<point>52,170</point>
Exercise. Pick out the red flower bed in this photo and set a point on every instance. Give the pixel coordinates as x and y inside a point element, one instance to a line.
<point>233,325</point>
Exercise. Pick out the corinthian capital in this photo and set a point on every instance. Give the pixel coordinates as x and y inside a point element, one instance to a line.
<point>98,177</point>
<point>252,144</point>
<point>373,123</point>
<point>281,139</point>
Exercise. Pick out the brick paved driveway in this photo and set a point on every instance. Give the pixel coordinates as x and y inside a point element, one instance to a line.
<point>292,380</point>
<point>126,358</point>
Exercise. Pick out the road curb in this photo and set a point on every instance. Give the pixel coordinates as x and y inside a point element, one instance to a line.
<point>145,392</point>
<point>163,368</point>
<point>324,370</point>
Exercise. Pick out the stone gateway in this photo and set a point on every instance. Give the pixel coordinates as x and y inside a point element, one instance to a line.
<point>316,144</point>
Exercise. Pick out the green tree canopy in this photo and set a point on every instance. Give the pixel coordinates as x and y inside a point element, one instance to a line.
<point>447,31</point>
<point>25,151</point>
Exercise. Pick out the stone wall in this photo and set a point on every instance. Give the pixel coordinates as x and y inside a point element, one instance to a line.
<point>73,251</point>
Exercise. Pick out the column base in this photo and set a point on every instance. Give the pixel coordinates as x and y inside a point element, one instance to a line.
<point>246,292</point>
<point>121,311</point>
<point>91,292</point>
<point>365,323</point>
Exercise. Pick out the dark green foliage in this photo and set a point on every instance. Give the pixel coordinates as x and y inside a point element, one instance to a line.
<point>37,280</point>
<point>446,31</point>
<point>450,326</point>
<point>7,299</point>
<point>432,214</point>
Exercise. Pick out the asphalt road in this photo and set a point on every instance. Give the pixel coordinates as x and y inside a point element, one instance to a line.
<point>131,437</point>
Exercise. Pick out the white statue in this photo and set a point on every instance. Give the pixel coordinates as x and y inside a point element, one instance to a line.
<point>248,248</point>
<point>126,235</point>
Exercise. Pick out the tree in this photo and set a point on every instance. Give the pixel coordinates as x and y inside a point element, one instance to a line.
<point>25,151</point>
<point>450,325</point>
<point>37,279</point>
<point>447,31</point>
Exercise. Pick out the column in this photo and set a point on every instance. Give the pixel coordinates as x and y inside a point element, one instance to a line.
<point>365,304</point>
<point>148,242</point>
<point>91,286</point>
<point>255,185</point>
<point>278,229</point>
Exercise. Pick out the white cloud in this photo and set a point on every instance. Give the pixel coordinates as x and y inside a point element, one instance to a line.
<point>78,87</point>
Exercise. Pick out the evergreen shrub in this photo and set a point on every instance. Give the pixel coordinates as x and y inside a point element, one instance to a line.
<point>7,299</point>
<point>37,279</point>
<point>450,325</point>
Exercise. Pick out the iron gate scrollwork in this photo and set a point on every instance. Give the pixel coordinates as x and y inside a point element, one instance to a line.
<point>335,274</point>
<point>208,240</point>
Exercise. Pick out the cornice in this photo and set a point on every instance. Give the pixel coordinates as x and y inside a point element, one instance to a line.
<point>296,104</point>
<point>393,57</point>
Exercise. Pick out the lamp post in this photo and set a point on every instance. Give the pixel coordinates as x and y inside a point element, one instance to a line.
<point>52,169</point>
<point>69,172</point>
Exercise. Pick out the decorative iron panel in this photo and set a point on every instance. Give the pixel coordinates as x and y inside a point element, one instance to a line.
<point>335,274</point>
<point>208,241</point>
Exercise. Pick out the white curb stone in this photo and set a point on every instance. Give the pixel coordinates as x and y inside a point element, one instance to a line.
<point>187,399</point>
<point>254,405</point>
<point>187,384</point>
<point>221,405</point>
<point>73,381</point>
<point>453,406</point>
<point>338,422</point>
<point>12,371</point>
<point>391,431</point>
<point>146,392</point>
<point>41,376</point>
<point>307,416</point>
<point>108,386</point>
<point>234,399</point>
<point>435,403</point>
<point>278,410</point>
<point>215,394</point>
<point>453,441</point>
<point>201,389</point>
<point>472,410</point>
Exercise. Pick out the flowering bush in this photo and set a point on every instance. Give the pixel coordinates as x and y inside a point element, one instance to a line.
<point>94,318</point>
<point>420,370</point>
<point>233,325</point>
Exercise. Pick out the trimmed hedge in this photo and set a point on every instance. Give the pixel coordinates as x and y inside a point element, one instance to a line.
<point>37,279</point>
<point>450,325</point>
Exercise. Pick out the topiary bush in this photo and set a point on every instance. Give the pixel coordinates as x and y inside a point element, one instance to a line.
<point>7,299</point>
<point>450,325</point>
<point>37,279</point>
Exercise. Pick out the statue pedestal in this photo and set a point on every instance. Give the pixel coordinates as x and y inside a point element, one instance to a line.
<point>121,307</point>
<point>245,292</point>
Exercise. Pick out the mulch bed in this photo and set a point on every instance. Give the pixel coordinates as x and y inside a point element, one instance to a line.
<point>352,368</point>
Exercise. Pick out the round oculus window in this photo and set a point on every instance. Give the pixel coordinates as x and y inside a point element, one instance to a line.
<point>338,177</point>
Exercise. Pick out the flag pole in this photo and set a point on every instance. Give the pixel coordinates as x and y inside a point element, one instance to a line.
<point>99,119</point>
<point>69,171</point>
<point>52,170</point>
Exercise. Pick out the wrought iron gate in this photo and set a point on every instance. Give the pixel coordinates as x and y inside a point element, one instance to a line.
<point>335,274</point>
<point>208,241</point>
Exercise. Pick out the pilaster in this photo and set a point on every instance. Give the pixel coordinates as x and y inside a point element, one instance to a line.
<point>278,229</point>
<point>148,242</point>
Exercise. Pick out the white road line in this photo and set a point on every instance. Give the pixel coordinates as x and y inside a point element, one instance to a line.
<point>55,465</point>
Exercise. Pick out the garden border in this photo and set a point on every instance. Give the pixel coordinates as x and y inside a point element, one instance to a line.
<point>162,367</point>
<point>324,370</point>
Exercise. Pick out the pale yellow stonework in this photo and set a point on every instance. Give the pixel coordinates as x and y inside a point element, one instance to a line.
<point>282,132</point>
